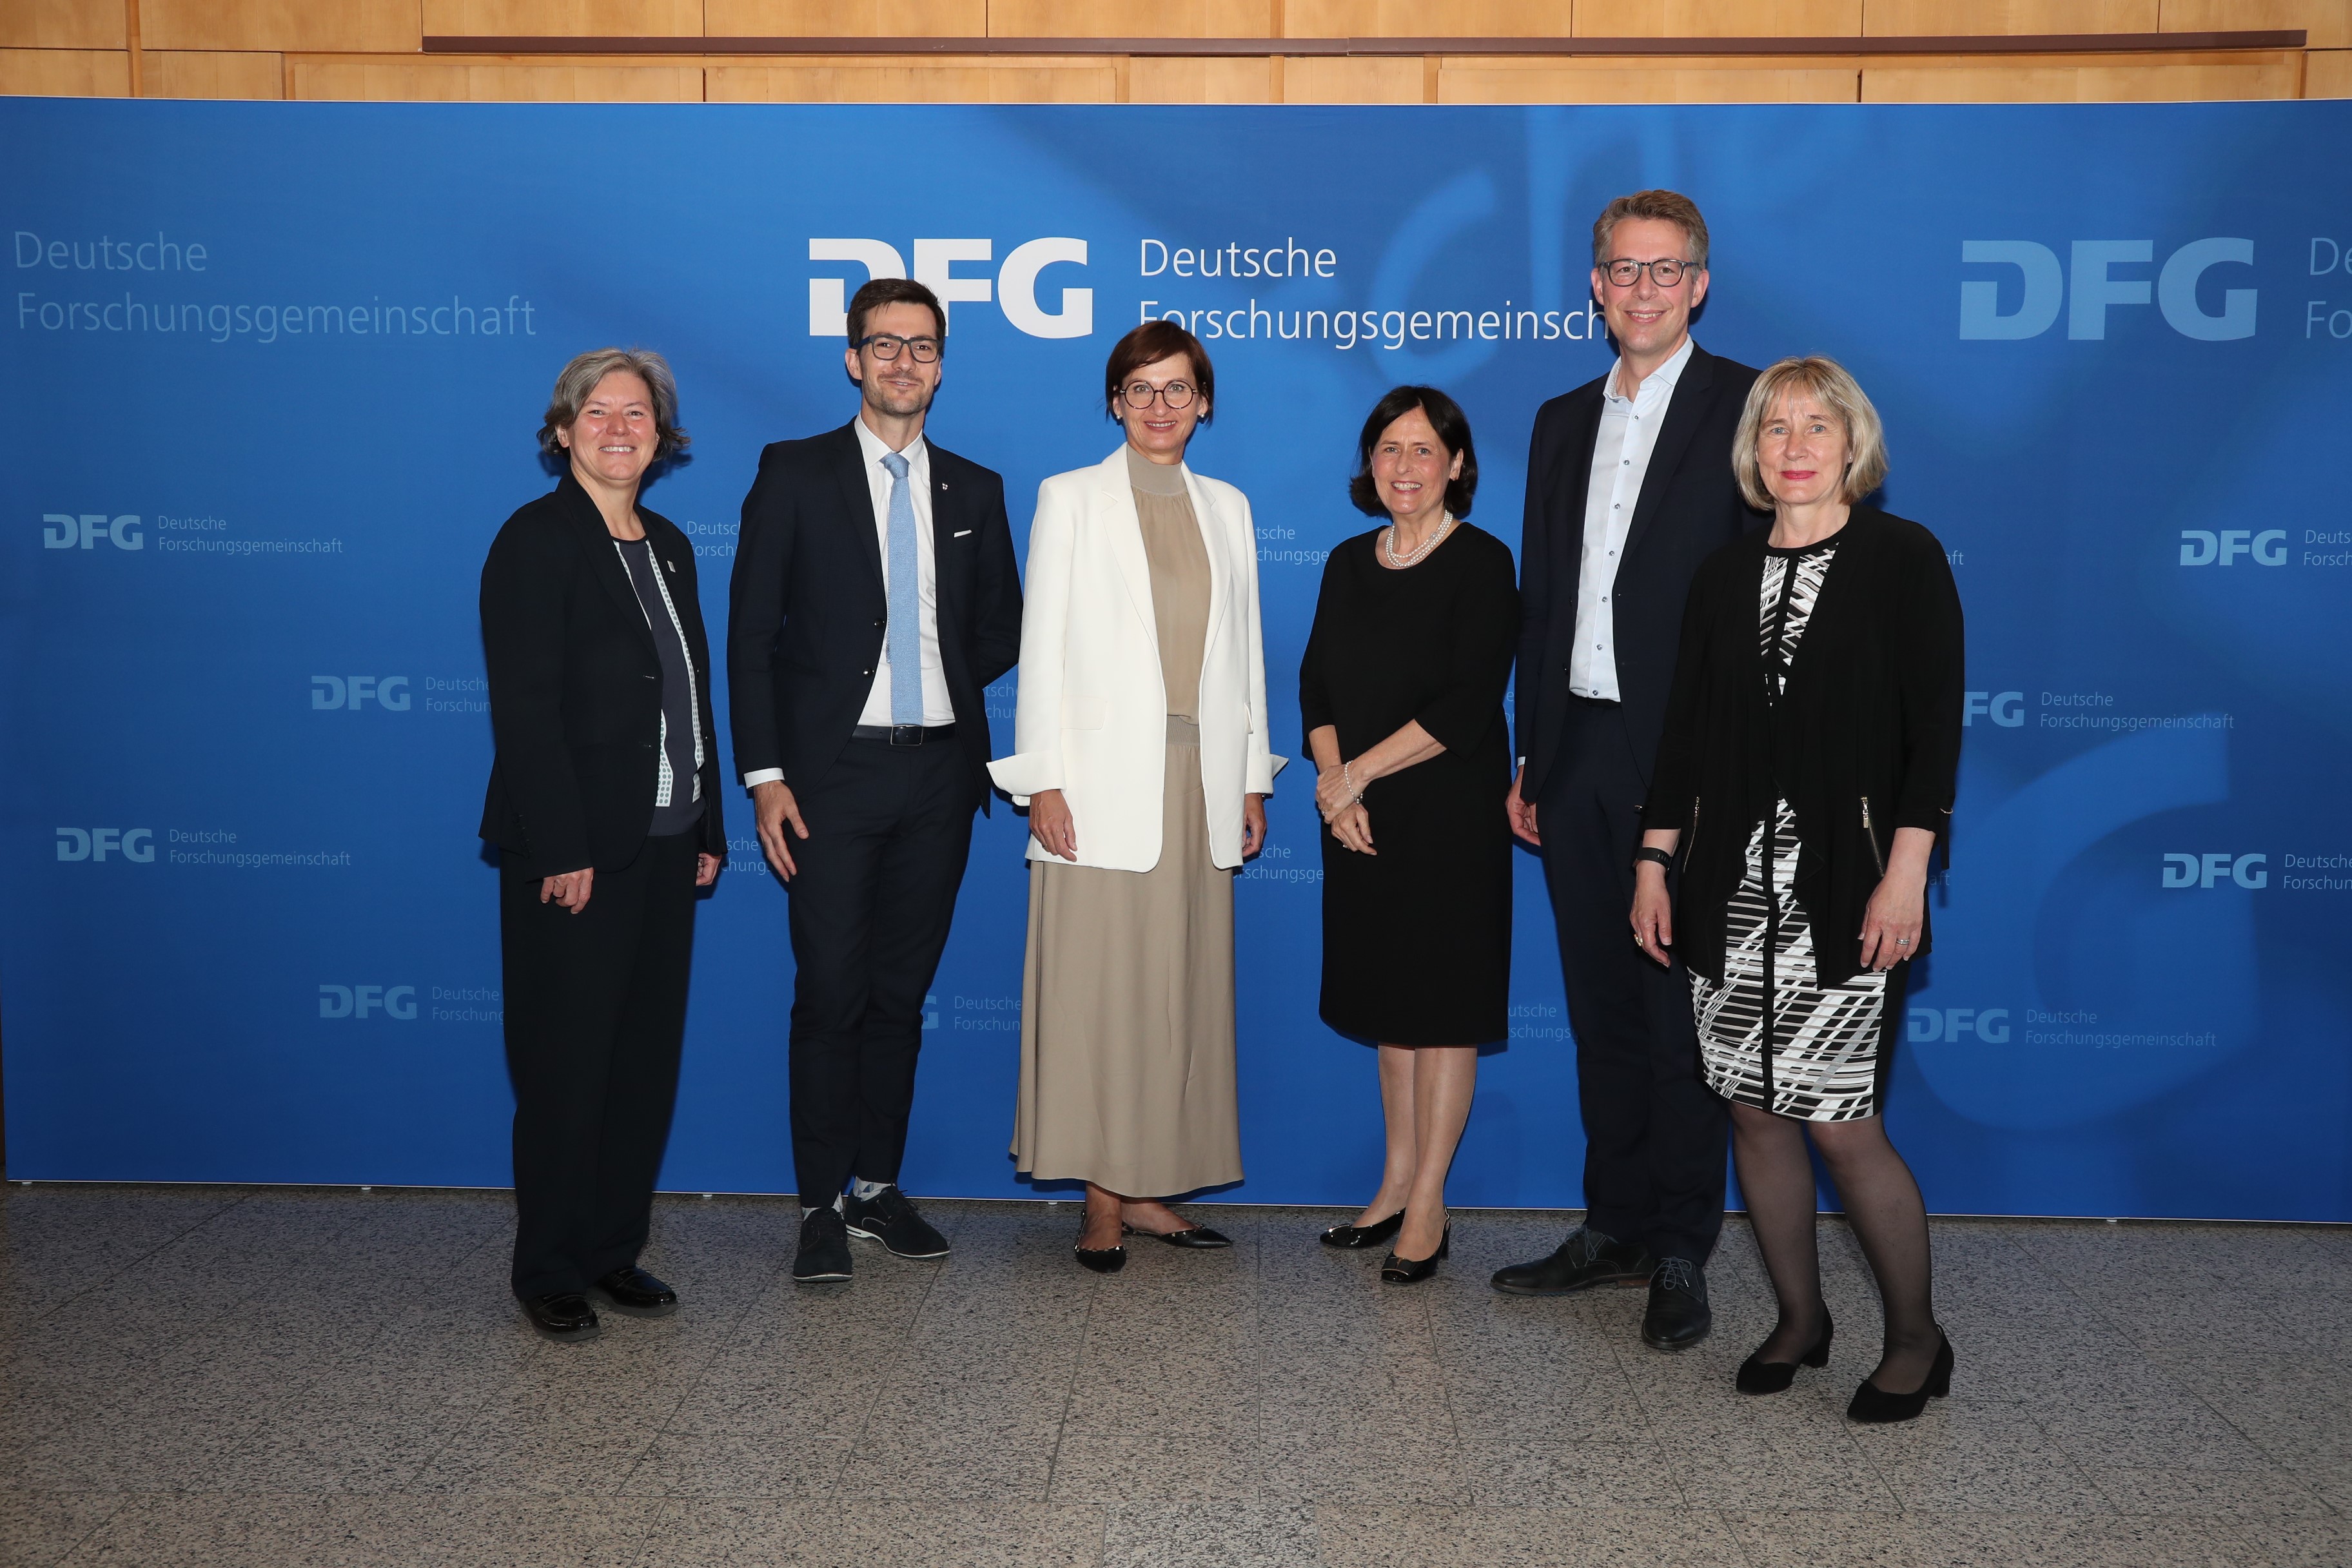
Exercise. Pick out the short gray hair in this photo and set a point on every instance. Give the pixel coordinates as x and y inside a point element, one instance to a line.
<point>580,379</point>
<point>1866,438</point>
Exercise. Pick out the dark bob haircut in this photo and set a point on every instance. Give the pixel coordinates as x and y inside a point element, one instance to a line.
<point>877,292</point>
<point>1453,428</point>
<point>1149,344</point>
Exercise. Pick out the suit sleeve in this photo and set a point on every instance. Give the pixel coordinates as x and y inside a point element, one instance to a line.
<point>755,615</point>
<point>1036,765</point>
<point>1261,763</point>
<point>525,590</point>
<point>1485,637</point>
<point>1535,593</point>
<point>1673,782</point>
<point>996,617</point>
<point>1932,670</point>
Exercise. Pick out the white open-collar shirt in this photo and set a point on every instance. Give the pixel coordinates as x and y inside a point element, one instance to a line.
<point>1621,461</point>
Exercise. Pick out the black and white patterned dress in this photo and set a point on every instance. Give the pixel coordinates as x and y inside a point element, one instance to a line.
<point>1824,1057</point>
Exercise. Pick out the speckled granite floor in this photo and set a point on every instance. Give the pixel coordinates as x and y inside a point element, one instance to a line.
<point>277,1377</point>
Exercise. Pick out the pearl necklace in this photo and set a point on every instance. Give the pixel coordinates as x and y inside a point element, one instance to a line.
<point>1389,537</point>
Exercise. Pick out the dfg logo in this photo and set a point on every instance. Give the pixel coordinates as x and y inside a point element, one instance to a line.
<point>2006,708</point>
<point>396,1002</point>
<point>2087,287</point>
<point>389,692</point>
<point>2207,870</point>
<point>136,845</point>
<point>935,260</point>
<point>2205,547</point>
<point>1927,1025</point>
<point>60,531</point>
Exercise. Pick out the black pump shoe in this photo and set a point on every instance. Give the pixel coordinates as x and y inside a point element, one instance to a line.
<point>1414,1270</point>
<point>1873,1404</point>
<point>1197,1238</point>
<point>1101,1259</point>
<point>1357,1237</point>
<point>1775,1376</point>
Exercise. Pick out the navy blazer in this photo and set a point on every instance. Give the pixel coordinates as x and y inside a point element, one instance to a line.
<point>807,609</point>
<point>1689,508</point>
<point>575,687</point>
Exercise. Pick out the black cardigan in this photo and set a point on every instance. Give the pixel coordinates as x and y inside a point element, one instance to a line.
<point>1865,738</point>
<point>575,689</point>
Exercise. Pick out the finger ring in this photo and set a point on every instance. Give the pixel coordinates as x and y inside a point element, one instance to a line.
<point>1903,942</point>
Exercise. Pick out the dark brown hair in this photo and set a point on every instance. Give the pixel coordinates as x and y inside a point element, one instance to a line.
<point>877,292</point>
<point>1453,428</point>
<point>1149,344</point>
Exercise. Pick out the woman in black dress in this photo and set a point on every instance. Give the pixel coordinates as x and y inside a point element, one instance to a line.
<point>1402,694</point>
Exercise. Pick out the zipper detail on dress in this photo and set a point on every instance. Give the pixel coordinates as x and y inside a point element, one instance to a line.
<point>1690,843</point>
<point>1867,832</point>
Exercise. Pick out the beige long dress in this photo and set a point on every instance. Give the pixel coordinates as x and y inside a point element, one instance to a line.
<point>1127,1016</point>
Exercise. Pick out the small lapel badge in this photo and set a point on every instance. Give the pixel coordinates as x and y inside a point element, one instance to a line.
<point>671,564</point>
<point>943,484</point>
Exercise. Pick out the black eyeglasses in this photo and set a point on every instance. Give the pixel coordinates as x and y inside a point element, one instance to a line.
<point>1666,272</point>
<point>886,347</point>
<point>1139,394</point>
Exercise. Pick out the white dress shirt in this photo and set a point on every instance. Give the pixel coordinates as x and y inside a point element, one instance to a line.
<point>1621,459</point>
<point>938,707</point>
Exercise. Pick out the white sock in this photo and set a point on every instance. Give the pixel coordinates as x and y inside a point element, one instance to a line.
<point>835,1205</point>
<point>868,1191</point>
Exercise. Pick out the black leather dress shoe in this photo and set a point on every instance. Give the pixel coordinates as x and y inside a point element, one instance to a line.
<point>1588,1258</point>
<point>1199,1237</point>
<point>1759,1376</point>
<point>1357,1237</point>
<point>1678,1315</point>
<point>887,1217</point>
<point>823,1257</point>
<point>632,1291</point>
<point>566,1319</point>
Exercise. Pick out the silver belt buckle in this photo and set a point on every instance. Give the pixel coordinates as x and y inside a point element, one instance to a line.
<point>906,734</point>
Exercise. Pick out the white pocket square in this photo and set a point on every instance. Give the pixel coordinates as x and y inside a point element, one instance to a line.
<point>960,532</point>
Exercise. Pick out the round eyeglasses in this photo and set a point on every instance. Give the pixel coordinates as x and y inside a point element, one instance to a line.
<point>886,347</point>
<point>1139,394</point>
<point>1666,272</point>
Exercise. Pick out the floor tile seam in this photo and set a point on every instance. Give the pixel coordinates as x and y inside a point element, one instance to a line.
<point>121,1501</point>
<point>158,1247</point>
<point>1070,1392</point>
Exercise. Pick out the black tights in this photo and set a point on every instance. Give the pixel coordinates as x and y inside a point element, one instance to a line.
<point>1882,1204</point>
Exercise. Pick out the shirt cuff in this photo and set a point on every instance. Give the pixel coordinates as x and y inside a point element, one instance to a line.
<point>762,776</point>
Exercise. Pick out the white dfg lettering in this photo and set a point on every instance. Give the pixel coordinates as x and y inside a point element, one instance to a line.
<point>60,530</point>
<point>136,845</point>
<point>2205,871</point>
<point>1016,288</point>
<point>2087,286</point>
<point>1926,1026</point>
<point>1016,291</point>
<point>2208,547</point>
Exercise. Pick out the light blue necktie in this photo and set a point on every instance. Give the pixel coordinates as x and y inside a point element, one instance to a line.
<point>906,633</point>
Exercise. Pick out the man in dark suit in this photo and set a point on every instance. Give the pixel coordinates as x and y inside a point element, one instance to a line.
<point>1629,487</point>
<point>874,596</point>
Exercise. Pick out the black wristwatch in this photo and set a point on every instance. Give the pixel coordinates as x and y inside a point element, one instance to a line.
<point>1659,856</point>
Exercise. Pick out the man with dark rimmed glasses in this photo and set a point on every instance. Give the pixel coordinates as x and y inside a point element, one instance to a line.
<point>875,597</point>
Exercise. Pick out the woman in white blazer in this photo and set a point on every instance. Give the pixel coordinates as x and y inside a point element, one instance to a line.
<point>1141,754</point>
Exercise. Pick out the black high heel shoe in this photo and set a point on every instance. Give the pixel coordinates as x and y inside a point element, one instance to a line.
<point>1356,1238</point>
<point>1414,1270</point>
<point>1101,1259</point>
<point>1193,1237</point>
<point>1775,1376</point>
<point>1873,1404</point>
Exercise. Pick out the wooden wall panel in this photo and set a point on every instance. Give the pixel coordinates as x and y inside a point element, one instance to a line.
<point>61,24</point>
<point>2329,22</point>
<point>391,26</point>
<point>1942,18</point>
<point>866,79</point>
<point>845,18</point>
<point>563,18</point>
<point>1416,19</point>
<point>211,73</point>
<point>65,73</point>
<point>2327,73</point>
<point>1367,80</point>
<point>1474,79</point>
<point>461,79</point>
<point>1194,80</point>
<point>1130,19</point>
<point>2083,79</point>
<point>1719,18</point>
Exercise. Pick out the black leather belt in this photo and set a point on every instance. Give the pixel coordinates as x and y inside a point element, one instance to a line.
<point>902,735</point>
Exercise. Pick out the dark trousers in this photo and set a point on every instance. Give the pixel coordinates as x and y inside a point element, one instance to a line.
<point>1655,1133</point>
<point>596,1013</point>
<point>889,831</point>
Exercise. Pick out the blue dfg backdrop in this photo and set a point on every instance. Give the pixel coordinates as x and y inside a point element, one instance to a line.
<point>276,371</point>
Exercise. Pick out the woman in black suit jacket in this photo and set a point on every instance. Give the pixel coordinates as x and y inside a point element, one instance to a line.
<point>1812,741</point>
<point>603,804</point>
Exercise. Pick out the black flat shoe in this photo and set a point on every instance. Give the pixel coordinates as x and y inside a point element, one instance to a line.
<point>1357,1237</point>
<point>1198,1238</point>
<point>1101,1259</point>
<point>565,1317</point>
<point>632,1291</point>
<point>1874,1405</point>
<point>1775,1376</point>
<point>1414,1270</point>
